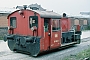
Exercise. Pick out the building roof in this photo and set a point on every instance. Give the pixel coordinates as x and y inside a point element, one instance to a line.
<point>6,10</point>
<point>79,16</point>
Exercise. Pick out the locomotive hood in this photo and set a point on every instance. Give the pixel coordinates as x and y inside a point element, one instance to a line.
<point>48,14</point>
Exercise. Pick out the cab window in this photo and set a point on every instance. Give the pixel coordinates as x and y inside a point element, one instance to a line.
<point>13,22</point>
<point>33,21</point>
<point>55,24</point>
<point>46,23</point>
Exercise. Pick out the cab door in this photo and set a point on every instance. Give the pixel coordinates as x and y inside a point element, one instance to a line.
<point>47,33</point>
<point>52,34</point>
<point>55,38</point>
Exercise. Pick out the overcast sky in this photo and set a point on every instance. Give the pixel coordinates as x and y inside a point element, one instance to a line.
<point>73,7</point>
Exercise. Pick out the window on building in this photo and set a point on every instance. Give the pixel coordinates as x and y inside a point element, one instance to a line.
<point>55,24</point>
<point>13,22</point>
<point>85,22</point>
<point>76,22</point>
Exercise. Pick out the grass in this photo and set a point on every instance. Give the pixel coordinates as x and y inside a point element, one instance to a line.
<point>1,37</point>
<point>80,56</point>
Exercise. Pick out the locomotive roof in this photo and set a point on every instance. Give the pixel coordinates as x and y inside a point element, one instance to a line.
<point>43,14</point>
<point>47,14</point>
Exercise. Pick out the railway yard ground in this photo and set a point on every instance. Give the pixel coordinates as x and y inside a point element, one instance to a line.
<point>60,54</point>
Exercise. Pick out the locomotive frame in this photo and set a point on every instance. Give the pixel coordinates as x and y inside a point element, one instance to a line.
<point>37,31</point>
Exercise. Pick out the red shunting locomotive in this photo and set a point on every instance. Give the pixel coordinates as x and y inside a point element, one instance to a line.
<point>35,31</point>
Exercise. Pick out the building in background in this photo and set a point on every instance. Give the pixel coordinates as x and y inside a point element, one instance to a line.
<point>33,7</point>
<point>36,7</point>
<point>83,20</point>
<point>4,12</point>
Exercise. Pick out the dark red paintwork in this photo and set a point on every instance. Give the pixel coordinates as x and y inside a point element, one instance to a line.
<point>47,42</point>
<point>65,24</point>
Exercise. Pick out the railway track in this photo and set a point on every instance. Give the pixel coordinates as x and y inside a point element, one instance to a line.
<point>6,54</point>
<point>85,39</point>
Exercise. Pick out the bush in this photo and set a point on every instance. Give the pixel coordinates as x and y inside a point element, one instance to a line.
<point>1,37</point>
<point>88,28</point>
